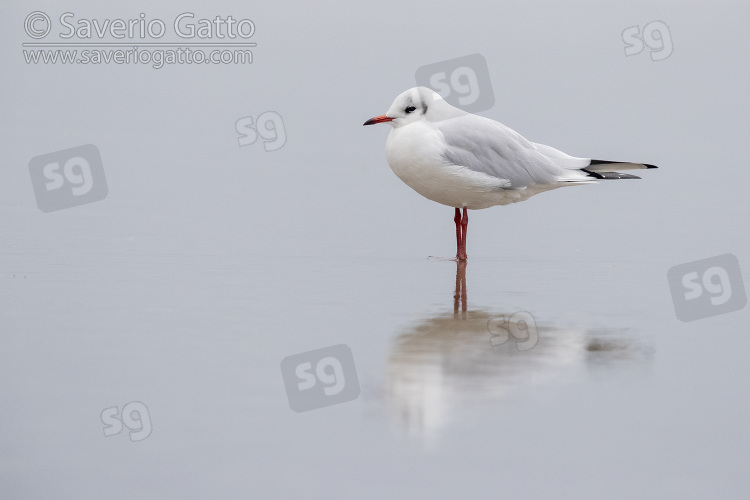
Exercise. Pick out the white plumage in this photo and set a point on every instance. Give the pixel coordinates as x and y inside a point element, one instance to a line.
<point>464,160</point>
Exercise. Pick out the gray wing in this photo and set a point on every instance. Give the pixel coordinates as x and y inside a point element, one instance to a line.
<point>489,147</point>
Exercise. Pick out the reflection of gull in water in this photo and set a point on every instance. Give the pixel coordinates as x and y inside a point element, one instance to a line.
<point>449,361</point>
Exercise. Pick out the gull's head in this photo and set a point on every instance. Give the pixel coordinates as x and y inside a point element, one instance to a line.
<point>415,104</point>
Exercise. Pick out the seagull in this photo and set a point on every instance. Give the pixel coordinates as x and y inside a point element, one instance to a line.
<point>470,162</point>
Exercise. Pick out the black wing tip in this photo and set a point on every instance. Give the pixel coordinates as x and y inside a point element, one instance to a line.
<point>607,162</point>
<point>609,175</point>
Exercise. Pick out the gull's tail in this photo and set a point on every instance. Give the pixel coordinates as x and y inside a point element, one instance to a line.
<point>585,170</point>
<point>602,169</point>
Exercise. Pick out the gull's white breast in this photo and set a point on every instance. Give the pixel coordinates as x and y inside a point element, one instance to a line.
<point>414,153</point>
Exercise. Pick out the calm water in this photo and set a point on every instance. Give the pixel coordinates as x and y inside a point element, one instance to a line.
<point>616,398</point>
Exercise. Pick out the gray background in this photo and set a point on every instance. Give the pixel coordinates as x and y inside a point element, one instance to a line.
<point>208,263</point>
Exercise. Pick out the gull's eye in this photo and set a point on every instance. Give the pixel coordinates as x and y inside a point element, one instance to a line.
<point>410,109</point>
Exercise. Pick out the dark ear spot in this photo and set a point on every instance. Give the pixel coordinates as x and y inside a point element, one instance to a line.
<point>424,108</point>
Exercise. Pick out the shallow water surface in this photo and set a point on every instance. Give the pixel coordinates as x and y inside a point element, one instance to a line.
<point>455,397</point>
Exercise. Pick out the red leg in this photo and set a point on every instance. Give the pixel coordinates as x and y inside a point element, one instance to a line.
<point>457,220</point>
<point>464,227</point>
